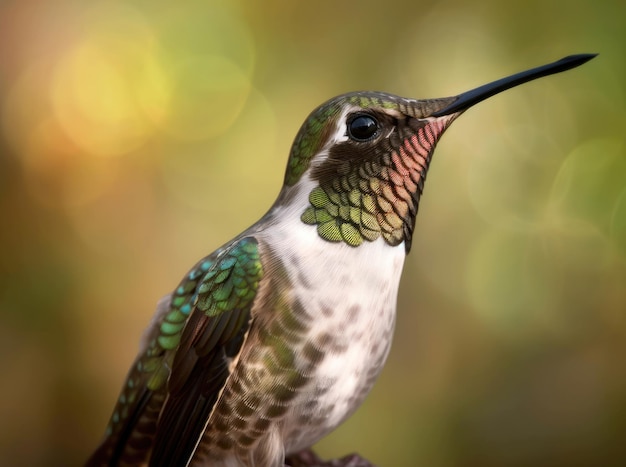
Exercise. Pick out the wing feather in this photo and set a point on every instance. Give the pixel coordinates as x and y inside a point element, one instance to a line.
<point>214,335</point>
<point>182,367</point>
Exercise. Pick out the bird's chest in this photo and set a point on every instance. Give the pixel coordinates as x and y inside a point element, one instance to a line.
<point>347,307</point>
<point>321,331</point>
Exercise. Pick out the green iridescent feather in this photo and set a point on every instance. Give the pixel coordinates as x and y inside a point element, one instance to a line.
<point>310,140</point>
<point>212,337</point>
<point>219,289</point>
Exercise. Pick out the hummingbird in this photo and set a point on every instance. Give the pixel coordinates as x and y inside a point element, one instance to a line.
<point>274,339</point>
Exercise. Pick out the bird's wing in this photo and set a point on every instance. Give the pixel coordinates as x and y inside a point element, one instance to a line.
<point>171,389</point>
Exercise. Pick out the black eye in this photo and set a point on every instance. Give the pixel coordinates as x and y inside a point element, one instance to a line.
<point>362,127</point>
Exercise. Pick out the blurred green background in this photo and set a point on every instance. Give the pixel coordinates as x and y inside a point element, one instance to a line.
<point>137,136</point>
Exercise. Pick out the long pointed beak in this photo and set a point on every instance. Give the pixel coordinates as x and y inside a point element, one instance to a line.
<point>469,98</point>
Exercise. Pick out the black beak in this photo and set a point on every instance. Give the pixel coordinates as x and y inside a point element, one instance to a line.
<point>469,98</point>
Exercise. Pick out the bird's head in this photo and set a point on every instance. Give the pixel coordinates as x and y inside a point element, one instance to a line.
<point>363,157</point>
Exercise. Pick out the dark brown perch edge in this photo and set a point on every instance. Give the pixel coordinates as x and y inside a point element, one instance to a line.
<point>308,458</point>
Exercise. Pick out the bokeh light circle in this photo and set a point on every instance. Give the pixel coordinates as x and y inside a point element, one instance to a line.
<point>211,90</point>
<point>104,84</point>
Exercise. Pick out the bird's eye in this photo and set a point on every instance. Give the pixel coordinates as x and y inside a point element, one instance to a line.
<point>362,127</point>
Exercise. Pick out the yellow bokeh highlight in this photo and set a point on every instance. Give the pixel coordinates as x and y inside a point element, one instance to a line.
<point>108,89</point>
<point>92,104</point>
